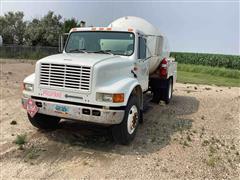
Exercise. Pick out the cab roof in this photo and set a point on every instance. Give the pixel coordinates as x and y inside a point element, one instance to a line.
<point>105,29</point>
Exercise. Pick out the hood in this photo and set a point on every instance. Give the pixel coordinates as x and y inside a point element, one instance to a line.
<point>85,59</point>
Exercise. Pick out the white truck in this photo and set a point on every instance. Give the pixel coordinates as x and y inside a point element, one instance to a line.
<point>101,76</point>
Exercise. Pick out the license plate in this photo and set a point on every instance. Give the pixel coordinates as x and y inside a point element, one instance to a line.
<point>61,109</point>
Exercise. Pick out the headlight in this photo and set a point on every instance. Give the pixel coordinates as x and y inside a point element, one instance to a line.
<point>28,87</point>
<point>105,97</point>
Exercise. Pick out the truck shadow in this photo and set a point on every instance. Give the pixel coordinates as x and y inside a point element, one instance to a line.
<point>160,123</point>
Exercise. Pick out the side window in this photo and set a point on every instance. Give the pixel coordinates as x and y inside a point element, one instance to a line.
<point>141,48</point>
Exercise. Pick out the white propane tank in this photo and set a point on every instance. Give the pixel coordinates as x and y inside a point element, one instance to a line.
<point>156,41</point>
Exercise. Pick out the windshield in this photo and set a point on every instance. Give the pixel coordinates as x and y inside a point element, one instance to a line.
<point>118,43</point>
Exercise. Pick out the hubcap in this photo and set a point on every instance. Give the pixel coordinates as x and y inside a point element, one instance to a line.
<point>132,119</point>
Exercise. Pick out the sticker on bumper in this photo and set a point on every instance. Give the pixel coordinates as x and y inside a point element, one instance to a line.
<point>60,109</point>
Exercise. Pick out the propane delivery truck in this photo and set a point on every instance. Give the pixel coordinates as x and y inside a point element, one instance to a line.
<point>100,76</point>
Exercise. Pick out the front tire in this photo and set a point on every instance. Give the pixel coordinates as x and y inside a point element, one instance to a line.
<point>125,132</point>
<point>42,121</point>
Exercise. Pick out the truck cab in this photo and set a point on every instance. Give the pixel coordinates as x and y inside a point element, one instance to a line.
<point>100,77</point>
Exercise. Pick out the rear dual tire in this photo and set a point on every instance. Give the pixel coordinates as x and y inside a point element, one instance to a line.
<point>163,93</point>
<point>168,91</point>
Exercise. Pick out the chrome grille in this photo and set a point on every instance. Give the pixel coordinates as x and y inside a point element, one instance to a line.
<point>65,76</point>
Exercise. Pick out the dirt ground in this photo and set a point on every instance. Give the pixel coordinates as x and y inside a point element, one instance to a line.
<point>196,136</point>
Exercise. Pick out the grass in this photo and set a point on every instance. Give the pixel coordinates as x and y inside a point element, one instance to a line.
<point>216,71</point>
<point>199,74</point>
<point>20,140</point>
<point>33,153</point>
<point>212,161</point>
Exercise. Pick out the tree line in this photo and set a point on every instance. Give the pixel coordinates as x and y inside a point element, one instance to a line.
<point>43,31</point>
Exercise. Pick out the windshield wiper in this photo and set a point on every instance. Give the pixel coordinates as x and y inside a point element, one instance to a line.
<point>78,50</point>
<point>104,52</point>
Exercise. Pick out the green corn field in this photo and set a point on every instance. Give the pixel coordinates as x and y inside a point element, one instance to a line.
<point>215,60</point>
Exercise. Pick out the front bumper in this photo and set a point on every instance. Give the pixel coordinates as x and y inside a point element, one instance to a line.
<point>77,112</point>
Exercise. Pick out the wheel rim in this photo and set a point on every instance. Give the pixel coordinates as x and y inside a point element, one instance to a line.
<point>170,91</point>
<point>132,119</point>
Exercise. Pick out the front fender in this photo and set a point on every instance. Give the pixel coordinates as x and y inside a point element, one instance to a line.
<point>125,86</point>
<point>30,79</point>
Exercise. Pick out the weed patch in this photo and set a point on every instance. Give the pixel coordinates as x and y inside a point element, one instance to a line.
<point>20,140</point>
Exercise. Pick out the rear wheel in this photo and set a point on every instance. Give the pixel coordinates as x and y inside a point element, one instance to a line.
<point>42,121</point>
<point>168,91</point>
<point>162,90</point>
<point>124,132</point>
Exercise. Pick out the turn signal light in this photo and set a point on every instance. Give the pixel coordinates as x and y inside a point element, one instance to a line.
<point>117,98</point>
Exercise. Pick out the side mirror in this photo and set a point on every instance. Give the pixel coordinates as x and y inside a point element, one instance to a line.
<point>61,41</point>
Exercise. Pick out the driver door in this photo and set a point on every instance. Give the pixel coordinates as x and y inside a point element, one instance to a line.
<point>142,63</point>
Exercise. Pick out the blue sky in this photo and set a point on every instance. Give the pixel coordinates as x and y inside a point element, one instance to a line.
<point>191,26</point>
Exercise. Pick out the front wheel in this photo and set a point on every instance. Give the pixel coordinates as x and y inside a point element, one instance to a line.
<point>42,121</point>
<point>124,132</point>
